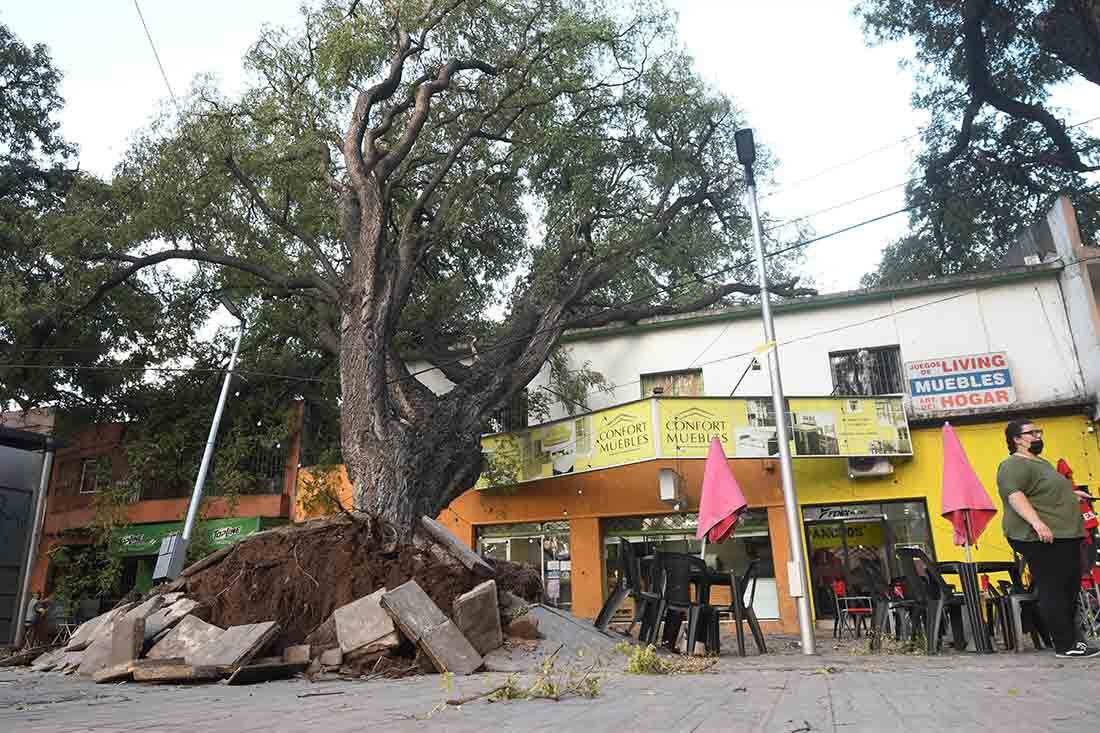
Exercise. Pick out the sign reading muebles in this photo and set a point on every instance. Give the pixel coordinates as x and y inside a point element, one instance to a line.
<point>683,427</point>
<point>960,382</point>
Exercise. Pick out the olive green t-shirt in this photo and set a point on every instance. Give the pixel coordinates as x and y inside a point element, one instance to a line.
<point>1049,492</point>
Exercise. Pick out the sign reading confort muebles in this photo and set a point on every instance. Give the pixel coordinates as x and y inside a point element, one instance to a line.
<point>683,427</point>
<point>960,382</point>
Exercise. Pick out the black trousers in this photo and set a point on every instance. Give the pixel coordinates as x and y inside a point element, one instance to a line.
<point>1056,574</point>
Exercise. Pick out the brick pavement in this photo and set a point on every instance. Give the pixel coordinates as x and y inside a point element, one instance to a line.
<point>836,691</point>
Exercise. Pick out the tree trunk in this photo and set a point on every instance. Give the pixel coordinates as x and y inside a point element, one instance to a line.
<point>402,468</point>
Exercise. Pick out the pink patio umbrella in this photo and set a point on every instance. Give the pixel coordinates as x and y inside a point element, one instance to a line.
<point>965,501</point>
<point>722,502</point>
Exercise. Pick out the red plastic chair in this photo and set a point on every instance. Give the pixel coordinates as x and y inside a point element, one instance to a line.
<point>851,611</point>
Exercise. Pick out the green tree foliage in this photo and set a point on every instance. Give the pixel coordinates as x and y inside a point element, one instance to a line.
<point>996,152</point>
<point>423,181</point>
<point>54,345</point>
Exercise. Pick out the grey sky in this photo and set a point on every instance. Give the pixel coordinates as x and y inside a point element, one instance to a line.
<point>799,69</point>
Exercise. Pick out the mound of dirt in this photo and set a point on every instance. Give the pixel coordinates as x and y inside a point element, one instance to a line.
<point>299,575</point>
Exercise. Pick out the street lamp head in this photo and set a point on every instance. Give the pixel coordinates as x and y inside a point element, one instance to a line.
<point>746,147</point>
<point>231,307</point>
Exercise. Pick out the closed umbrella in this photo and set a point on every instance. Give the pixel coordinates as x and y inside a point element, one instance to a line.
<point>722,502</point>
<point>966,504</point>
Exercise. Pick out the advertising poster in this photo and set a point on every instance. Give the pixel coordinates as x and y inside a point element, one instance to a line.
<point>960,382</point>
<point>683,427</point>
<point>688,425</point>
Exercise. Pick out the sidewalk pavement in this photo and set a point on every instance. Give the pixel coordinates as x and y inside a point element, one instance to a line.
<point>784,693</point>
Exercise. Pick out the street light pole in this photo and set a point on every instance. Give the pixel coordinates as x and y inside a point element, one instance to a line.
<point>173,548</point>
<point>796,568</point>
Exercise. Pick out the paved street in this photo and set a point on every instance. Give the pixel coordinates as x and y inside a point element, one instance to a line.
<point>781,693</point>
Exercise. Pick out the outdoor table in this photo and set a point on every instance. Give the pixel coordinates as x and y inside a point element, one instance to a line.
<point>978,638</point>
<point>740,612</point>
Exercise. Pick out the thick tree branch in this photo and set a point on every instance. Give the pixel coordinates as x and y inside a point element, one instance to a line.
<point>306,283</point>
<point>635,313</point>
<point>282,220</point>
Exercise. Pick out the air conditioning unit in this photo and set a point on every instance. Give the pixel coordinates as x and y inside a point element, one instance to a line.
<point>869,467</point>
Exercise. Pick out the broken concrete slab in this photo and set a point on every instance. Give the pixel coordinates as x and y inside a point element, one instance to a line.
<point>146,608</point>
<point>253,673</point>
<point>99,654</point>
<point>387,643</point>
<point>90,630</point>
<point>449,650</point>
<point>297,654</point>
<point>168,616</point>
<point>412,610</point>
<point>189,635</point>
<point>332,657</point>
<point>69,663</point>
<point>127,640</point>
<point>236,646</point>
<point>362,622</point>
<point>574,640</point>
<point>469,559</point>
<point>49,660</point>
<point>173,671</point>
<point>477,616</point>
<point>23,658</point>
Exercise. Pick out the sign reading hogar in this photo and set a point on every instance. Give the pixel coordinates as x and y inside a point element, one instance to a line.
<point>960,382</point>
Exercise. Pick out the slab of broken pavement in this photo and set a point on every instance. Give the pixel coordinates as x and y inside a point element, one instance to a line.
<point>394,657</point>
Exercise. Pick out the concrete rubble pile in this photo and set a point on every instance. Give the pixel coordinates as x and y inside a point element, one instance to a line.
<point>168,637</point>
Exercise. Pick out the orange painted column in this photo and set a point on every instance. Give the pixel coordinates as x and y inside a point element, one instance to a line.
<point>781,555</point>
<point>461,529</point>
<point>586,554</point>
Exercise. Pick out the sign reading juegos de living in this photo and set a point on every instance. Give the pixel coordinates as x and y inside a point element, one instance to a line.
<point>960,382</point>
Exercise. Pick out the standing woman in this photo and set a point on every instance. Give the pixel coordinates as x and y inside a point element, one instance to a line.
<point>1043,522</point>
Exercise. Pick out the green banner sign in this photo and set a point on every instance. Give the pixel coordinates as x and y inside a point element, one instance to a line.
<point>145,539</point>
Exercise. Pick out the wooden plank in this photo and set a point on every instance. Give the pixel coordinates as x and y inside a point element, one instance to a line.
<point>174,672</point>
<point>22,659</point>
<point>412,610</point>
<point>450,651</point>
<point>469,559</point>
<point>115,673</point>
<point>253,673</point>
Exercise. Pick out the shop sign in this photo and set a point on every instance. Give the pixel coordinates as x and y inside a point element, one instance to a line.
<point>828,536</point>
<point>841,512</point>
<point>683,427</point>
<point>960,382</point>
<point>144,539</point>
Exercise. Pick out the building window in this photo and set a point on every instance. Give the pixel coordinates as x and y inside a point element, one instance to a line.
<point>870,371</point>
<point>682,383</point>
<point>92,472</point>
<point>511,418</point>
<point>543,546</point>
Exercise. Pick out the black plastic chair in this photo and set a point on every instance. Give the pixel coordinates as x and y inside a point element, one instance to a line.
<point>1022,612</point>
<point>939,599</point>
<point>739,587</point>
<point>680,573</point>
<point>887,605</point>
<point>624,588</point>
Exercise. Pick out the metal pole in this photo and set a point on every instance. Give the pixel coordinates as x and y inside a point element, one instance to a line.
<point>32,548</point>
<point>796,568</point>
<point>196,495</point>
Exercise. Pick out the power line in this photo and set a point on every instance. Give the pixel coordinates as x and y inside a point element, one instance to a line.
<point>838,166</point>
<point>153,46</point>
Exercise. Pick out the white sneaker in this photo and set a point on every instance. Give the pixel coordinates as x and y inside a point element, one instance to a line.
<point>1080,651</point>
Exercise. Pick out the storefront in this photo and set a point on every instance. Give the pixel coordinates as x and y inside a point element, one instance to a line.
<point>842,538</point>
<point>138,544</point>
<point>541,545</point>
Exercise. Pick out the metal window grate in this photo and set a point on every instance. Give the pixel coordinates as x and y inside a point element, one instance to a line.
<point>870,371</point>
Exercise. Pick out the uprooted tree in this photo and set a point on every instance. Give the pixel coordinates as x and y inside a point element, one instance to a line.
<point>447,184</point>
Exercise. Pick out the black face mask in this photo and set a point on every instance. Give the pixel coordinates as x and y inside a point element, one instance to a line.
<point>1036,447</point>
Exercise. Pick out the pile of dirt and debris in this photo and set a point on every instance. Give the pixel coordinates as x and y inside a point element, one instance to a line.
<point>330,596</point>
